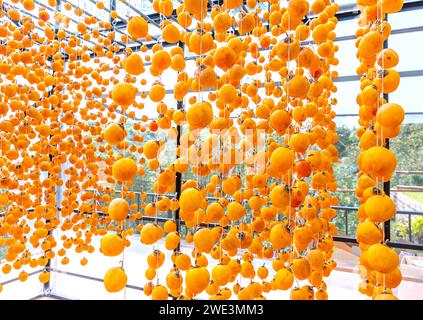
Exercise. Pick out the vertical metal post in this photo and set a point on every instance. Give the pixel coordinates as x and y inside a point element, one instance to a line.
<point>387,184</point>
<point>346,221</point>
<point>387,190</point>
<point>138,201</point>
<point>268,21</point>
<point>47,285</point>
<point>112,8</point>
<point>178,178</point>
<point>178,181</point>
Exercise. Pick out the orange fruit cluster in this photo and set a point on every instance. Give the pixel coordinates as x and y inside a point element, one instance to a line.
<point>379,121</point>
<point>257,146</point>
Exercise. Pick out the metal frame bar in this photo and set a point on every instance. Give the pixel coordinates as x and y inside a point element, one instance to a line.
<point>356,115</point>
<point>403,74</point>
<point>342,16</point>
<point>46,286</point>
<point>112,7</point>
<point>90,15</point>
<point>412,5</point>
<point>418,213</point>
<point>16,279</point>
<point>123,21</point>
<point>352,14</point>
<point>178,180</point>
<point>397,245</point>
<point>172,17</point>
<point>16,23</point>
<point>347,15</point>
<point>386,184</point>
<point>50,295</point>
<point>71,19</point>
<point>147,17</point>
<point>67,31</point>
<point>411,246</point>
<point>347,210</point>
<point>341,38</point>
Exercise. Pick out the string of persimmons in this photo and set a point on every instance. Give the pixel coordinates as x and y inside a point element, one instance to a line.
<point>257,148</point>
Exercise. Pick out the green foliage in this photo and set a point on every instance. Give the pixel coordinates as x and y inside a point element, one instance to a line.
<point>400,230</point>
<point>408,147</point>
<point>346,169</point>
<point>417,229</point>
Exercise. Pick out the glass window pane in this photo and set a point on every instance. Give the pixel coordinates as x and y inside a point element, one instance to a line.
<point>348,62</point>
<point>346,27</point>
<point>406,19</point>
<point>346,96</point>
<point>406,185</point>
<point>405,45</point>
<point>346,174</point>
<point>413,118</point>
<point>406,94</point>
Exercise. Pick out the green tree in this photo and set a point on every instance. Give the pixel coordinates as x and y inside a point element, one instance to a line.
<point>346,169</point>
<point>408,148</point>
<point>417,229</point>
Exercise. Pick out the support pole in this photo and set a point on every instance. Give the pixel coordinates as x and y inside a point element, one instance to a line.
<point>112,8</point>
<point>387,190</point>
<point>387,184</point>
<point>47,285</point>
<point>178,181</point>
<point>178,178</point>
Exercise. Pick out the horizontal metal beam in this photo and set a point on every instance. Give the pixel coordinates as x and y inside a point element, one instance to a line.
<point>410,172</point>
<point>354,12</point>
<point>116,22</point>
<point>398,245</point>
<point>412,5</point>
<point>399,189</point>
<point>127,4</point>
<point>356,114</point>
<point>338,39</point>
<point>403,74</point>
<point>79,36</point>
<point>40,4</point>
<point>341,16</point>
<point>17,278</point>
<point>49,295</point>
<point>393,32</point>
<point>352,209</point>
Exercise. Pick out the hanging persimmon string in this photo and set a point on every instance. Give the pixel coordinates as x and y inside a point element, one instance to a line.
<point>379,121</point>
<point>257,155</point>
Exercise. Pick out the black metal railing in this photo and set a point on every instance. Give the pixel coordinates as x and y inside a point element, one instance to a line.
<point>346,222</point>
